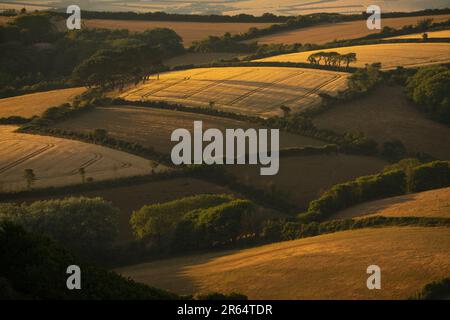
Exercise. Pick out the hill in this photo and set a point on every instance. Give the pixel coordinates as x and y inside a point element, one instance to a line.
<point>153,127</point>
<point>387,114</point>
<point>391,55</point>
<point>56,162</point>
<point>34,104</point>
<point>339,31</point>
<point>246,90</point>
<point>433,203</point>
<point>329,266</point>
<point>431,35</point>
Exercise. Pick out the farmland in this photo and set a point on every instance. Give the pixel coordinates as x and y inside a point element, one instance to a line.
<point>34,104</point>
<point>56,162</point>
<point>246,90</point>
<point>189,31</point>
<point>324,267</point>
<point>431,35</point>
<point>304,178</point>
<point>153,127</point>
<point>339,31</point>
<point>387,114</point>
<point>391,55</point>
<point>433,203</point>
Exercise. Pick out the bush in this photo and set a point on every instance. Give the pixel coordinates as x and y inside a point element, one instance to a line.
<point>88,226</point>
<point>437,290</point>
<point>431,175</point>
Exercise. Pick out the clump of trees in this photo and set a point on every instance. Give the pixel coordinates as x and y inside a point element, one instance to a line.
<point>331,58</point>
<point>87,226</point>
<point>429,88</point>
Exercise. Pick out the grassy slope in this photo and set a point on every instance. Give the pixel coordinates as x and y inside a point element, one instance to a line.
<point>330,266</point>
<point>433,203</point>
<point>386,114</point>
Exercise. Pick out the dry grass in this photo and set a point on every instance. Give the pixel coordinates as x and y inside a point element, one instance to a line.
<point>153,127</point>
<point>391,55</point>
<point>433,203</point>
<point>305,178</point>
<point>431,35</point>
<point>339,31</point>
<point>246,90</point>
<point>386,114</point>
<point>56,161</point>
<point>189,31</point>
<point>324,267</point>
<point>34,104</point>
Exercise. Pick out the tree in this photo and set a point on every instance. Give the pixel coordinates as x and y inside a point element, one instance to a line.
<point>82,173</point>
<point>286,110</point>
<point>30,177</point>
<point>349,58</point>
<point>425,36</point>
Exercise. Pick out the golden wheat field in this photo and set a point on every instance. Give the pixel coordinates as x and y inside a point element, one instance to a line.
<point>433,203</point>
<point>153,127</point>
<point>325,33</point>
<point>387,114</point>
<point>245,90</point>
<point>198,58</point>
<point>34,104</point>
<point>189,31</point>
<point>304,178</point>
<point>391,55</point>
<point>55,161</point>
<point>431,35</point>
<point>329,266</point>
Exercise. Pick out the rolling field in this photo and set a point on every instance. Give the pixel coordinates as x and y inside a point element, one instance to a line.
<point>198,58</point>
<point>391,55</point>
<point>246,90</point>
<point>433,203</point>
<point>305,178</point>
<point>431,35</point>
<point>153,127</point>
<point>56,161</point>
<point>189,31</point>
<point>339,31</point>
<point>329,266</point>
<point>34,104</point>
<point>386,114</point>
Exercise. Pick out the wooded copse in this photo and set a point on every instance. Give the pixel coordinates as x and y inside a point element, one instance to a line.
<point>334,59</point>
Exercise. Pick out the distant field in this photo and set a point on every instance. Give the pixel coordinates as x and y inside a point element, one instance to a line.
<point>339,31</point>
<point>324,267</point>
<point>391,55</point>
<point>34,104</point>
<point>386,114</point>
<point>134,197</point>
<point>431,35</point>
<point>305,178</point>
<point>153,127</point>
<point>433,203</point>
<point>189,31</point>
<point>199,58</point>
<point>56,161</point>
<point>246,90</point>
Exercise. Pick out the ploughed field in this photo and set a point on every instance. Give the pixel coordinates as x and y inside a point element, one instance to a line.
<point>331,266</point>
<point>432,203</point>
<point>56,162</point>
<point>259,91</point>
<point>391,55</point>
<point>153,127</point>
<point>34,104</point>
<point>325,33</point>
<point>387,114</point>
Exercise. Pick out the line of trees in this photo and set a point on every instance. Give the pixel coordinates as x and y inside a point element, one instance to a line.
<point>332,58</point>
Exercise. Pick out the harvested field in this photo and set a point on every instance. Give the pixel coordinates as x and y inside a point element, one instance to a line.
<point>257,91</point>
<point>134,197</point>
<point>34,104</point>
<point>329,266</point>
<point>153,127</point>
<point>304,178</point>
<point>200,58</point>
<point>56,161</point>
<point>391,55</point>
<point>189,31</point>
<point>387,114</point>
<point>431,35</point>
<point>433,203</point>
<point>339,31</point>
